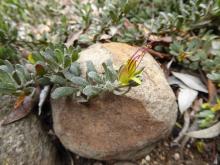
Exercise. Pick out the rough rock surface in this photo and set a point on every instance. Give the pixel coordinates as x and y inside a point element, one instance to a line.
<point>117,127</point>
<point>24,142</point>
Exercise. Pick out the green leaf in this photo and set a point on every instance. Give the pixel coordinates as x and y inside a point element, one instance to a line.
<point>21,77</point>
<point>44,81</point>
<point>136,80</point>
<point>4,68</point>
<point>7,88</point>
<point>57,80</point>
<point>110,73</point>
<point>6,77</point>
<point>214,76</point>
<point>67,61</point>
<point>206,113</point>
<point>75,56</point>
<point>59,56</point>
<point>63,91</point>
<point>9,66</point>
<point>94,76</point>
<point>90,66</point>
<point>49,58</point>
<point>23,70</point>
<point>90,90</point>
<point>79,81</point>
<point>75,69</point>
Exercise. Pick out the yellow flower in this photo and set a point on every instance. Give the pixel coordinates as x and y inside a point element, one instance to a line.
<point>216,107</point>
<point>31,59</point>
<point>128,72</point>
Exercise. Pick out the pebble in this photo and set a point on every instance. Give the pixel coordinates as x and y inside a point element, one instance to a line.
<point>162,157</point>
<point>125,163</point>
<point>166,144</point>
<point>177,156</point>
<point>97,163</point>
<point>147,158</point>
<point>143,162</point>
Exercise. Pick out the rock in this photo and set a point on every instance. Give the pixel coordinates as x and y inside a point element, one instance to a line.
<point>117,127</point>
<point>147,158</point>
<point>24,142</point>
<point>144,162</point>
<point>176,156</point>
<point>125,163</point>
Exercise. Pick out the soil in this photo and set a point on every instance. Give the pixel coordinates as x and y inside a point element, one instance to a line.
<point>163,154</point>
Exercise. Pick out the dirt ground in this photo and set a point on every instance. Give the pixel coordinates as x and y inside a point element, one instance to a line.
<point>163,154</point>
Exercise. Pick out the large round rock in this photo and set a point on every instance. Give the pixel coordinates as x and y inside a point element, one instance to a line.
<point>117,127</point>
<point>24,142</point>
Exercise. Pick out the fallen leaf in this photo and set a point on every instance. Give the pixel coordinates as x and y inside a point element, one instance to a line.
<point>43,95</point>
<point>210,132</point>
<point>23,110</point>
<point>105,37</point>
<point>113,30</point>
<point>128,24</point>
<point>19,101</point>
<point>174,81</point>
<point>168,65</point>
<point>186,97</point>
<point>191,81</point>
<point>72,38</point>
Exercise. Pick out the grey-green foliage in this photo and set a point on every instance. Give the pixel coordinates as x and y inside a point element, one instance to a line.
<point>89,85</point>
<point>8,35</point>
<point>158,16</point>
<point>55,59</point>
<point>206,118</point>
<point>15,79</point>
<point>188,16</point>
<point>199,53</point>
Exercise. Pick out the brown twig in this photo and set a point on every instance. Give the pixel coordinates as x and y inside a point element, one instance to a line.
<point>158,54</point>
<point>212,91</point>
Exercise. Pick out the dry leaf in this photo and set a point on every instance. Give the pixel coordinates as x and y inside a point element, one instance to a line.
<point>210,132</point>
<point>22,111</point>
<point>173,81</point>
<point>105,37</point>
<point>19,101</point>
<point>191,81</point>
<point>72,38</point>
<point>113,30</point>
<point>43,95</point>
<point>186,97</point>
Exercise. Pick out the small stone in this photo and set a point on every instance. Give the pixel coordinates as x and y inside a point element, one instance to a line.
<point>177,156</point>
<point>143,162</point>
<point>162,157</point>
<point>188,146</point>
<point>155,163</point>
<point>97,163</point>
<point>124,163</point>
<point>147,158</point>
<point>166,144</point>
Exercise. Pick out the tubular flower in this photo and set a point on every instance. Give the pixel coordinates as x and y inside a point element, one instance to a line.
<point>129,73</point>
